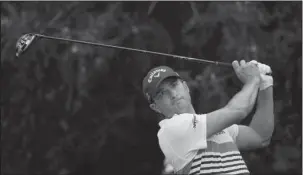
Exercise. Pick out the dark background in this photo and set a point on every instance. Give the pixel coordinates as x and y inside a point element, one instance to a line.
<point>68,108</point>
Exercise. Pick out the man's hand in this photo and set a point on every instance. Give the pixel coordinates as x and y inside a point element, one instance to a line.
<point>263,68</point>
<point>246,72</point>
<point>266,79</point>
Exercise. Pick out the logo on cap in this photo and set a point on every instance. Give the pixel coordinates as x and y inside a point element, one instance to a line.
<point>156,74</point>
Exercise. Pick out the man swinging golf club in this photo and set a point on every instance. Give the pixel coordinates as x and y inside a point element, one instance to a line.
<point>210,143</point>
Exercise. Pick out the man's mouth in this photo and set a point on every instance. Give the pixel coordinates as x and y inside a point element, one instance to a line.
<point>178,100</point>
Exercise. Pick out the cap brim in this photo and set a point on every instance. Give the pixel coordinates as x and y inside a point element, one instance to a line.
<point>162,79</point>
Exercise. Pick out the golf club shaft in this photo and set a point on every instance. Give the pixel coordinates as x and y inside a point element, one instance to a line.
<point>137,50</point>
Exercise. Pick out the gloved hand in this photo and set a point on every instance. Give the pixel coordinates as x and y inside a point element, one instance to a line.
<point>266,79</point>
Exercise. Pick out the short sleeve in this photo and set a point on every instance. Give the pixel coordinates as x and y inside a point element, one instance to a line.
<point>233,131</point>
<point>186,133</point>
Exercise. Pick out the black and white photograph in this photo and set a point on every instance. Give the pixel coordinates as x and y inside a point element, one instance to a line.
<point>151,87</point>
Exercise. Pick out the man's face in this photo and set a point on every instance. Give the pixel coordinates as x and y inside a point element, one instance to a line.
<point>172,97</point>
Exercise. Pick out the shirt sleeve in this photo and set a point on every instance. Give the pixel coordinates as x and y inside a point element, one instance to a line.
<point>233,131</point>
<point>186,133</point>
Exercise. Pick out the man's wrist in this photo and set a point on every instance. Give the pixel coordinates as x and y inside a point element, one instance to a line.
<point>255,81</point>
<point>266,82</point>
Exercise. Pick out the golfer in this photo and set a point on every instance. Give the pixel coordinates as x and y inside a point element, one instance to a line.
<point>210,143</point>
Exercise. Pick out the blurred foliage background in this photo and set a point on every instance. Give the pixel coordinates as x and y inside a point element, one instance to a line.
<point>68,108</point>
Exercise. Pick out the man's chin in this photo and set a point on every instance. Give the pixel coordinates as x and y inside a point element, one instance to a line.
<point>181,109</point>
<point>181,104</point>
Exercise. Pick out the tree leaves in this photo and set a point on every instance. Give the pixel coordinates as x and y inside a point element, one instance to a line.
<point>283,155</point>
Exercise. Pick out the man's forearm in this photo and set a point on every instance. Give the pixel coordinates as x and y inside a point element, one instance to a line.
<point>236,109</point>
<point>246,98</point>
<point>263,120</point>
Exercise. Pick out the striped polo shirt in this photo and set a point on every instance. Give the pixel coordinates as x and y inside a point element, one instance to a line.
<point>183,141</point>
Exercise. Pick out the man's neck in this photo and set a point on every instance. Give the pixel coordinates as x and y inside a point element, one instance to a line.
<point>190,110</point>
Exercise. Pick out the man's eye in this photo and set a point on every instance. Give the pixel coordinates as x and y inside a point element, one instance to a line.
<point>175,83</point>
<point>160,94</point>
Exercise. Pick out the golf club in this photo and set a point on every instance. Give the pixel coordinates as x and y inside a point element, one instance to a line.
<point>26,40</point>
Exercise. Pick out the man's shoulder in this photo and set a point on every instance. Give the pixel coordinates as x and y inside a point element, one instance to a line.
<point>180,119</point>
<point>180,123</point>
<point>176,120</point>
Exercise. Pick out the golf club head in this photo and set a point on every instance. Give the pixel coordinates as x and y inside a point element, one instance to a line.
<point>23,43</point>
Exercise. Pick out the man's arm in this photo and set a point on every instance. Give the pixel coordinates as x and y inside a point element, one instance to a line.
<point>240,105</point>
<point>235,111</point>
<point>259,132</point>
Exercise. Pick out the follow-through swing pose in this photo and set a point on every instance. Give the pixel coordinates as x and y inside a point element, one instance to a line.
<point>210,143</point>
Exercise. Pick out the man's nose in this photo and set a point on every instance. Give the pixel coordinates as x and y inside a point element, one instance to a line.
<point>174,94</point>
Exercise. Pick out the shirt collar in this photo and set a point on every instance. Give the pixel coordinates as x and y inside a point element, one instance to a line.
<point>162,122</point>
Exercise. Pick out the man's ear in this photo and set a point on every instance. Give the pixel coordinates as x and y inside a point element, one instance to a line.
<point>154,107</point>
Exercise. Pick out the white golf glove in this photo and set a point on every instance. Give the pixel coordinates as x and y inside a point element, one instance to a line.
<point>266,80</point>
